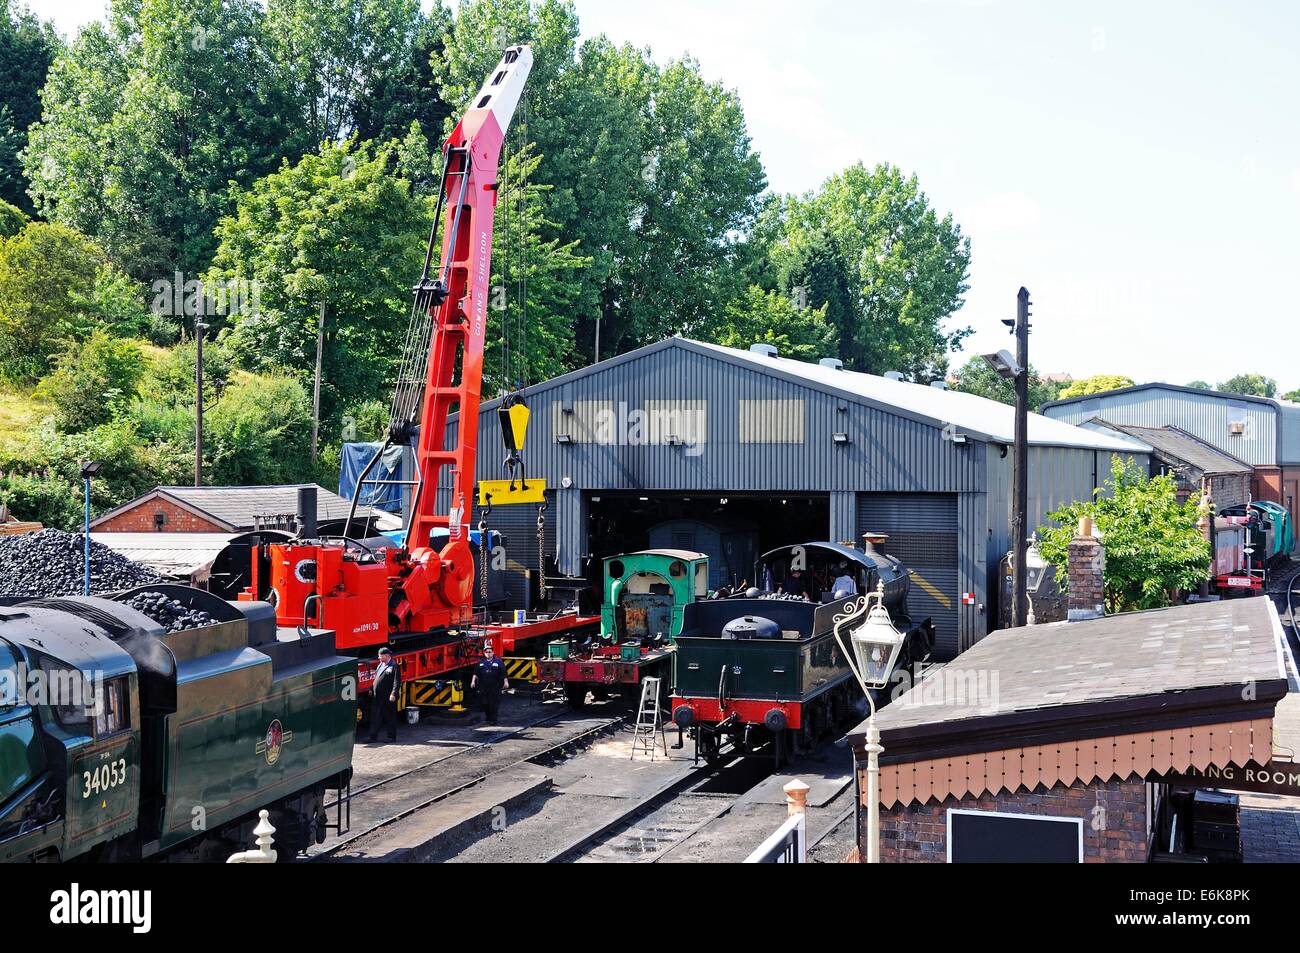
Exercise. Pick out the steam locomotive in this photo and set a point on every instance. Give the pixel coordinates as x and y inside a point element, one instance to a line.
<point>123,740</point>
<point>761,671</point>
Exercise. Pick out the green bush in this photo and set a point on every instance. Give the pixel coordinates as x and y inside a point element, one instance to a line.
<point>12,219</point>
<point>48,500</point>
<point>259,432</point>
<point>92,381</point>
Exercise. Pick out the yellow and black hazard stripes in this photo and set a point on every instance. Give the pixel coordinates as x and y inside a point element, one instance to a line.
<point>521,669</point>
<point>435,693</point>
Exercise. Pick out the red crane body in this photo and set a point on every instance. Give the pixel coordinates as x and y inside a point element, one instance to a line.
<point>371,596</point>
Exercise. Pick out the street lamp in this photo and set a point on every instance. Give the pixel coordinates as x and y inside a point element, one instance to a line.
<point>1035,572</point>
<point>88,470</point>
<point>876,644</point>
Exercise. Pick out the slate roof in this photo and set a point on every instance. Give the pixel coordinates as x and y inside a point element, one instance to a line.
<point>237,507</point>
<point>1138,660</point>
<point>1177,445</point>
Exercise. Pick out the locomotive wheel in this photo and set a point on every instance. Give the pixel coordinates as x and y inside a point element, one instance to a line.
<point>577,696</point>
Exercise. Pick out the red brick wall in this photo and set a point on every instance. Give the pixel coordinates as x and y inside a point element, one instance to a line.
<point>140,519</point>
<point>1114,821</point>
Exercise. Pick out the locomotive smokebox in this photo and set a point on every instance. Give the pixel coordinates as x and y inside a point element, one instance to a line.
<point>751,627</point>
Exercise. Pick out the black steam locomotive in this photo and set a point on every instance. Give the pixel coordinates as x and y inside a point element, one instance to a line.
<point>761,671</point>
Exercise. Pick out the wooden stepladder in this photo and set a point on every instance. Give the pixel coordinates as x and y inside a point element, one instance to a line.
<point>649,735</point>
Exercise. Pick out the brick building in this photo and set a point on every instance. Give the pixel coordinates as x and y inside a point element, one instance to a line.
<point>1063,742</point>
<point>224,509</point>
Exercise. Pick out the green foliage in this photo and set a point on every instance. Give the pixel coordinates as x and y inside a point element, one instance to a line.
<point>365,422</point>
<point>1252,384</point>
<point>1200,385</point>
<point>47,500</point>
<point>12,219</point>
<point>1153,546</point>
<point>352,66</point>
<point>890,272</point>
<point>533,343</point>
<point>1292,395</point>
<point>259,432</point>
<point>92,381</point>
<point>27,48</point>
<point>171,377</point>
<point>47,274</point>
<point>771,317</point>
<point>976,377</point>
<point>650,166</point>
<point>149,117</point>
<point>342,226</point>
<point>41,461</point>
<point>1097,384</point>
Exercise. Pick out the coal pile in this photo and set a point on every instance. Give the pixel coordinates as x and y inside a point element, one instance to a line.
<point>170,614</point>
<point>52,563</point>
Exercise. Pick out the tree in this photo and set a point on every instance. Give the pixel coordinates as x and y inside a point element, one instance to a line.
<point>535,342</point>
<point>891,272</point>
<point>27,48</point>
<point>1200,385</point>
<point>342,226</point>
<point>1251,384</point>
<point>770,317</point>
<point>976,377</point>
<point>47,273</point>
<point>650,166</point>
<point>1153,545</point>
<point>1292,395</point>
<point>92,381</point>
<point>148,119</point>
<point>1097,384</point>
<point>352,65</point>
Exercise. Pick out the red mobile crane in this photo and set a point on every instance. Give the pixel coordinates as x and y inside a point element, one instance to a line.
<point>417,596</point>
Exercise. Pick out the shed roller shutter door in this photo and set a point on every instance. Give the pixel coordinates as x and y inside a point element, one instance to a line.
<point>922,531</point>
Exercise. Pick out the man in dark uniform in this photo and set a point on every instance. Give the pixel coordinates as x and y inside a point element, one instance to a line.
<point>489,678</point>
<point>383,695</point>
<point>796,584</point>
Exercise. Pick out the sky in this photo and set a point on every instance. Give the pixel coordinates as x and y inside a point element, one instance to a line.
<point>1135,166</point>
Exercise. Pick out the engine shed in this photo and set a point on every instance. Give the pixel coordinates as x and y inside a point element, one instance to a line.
<point>697,446</point>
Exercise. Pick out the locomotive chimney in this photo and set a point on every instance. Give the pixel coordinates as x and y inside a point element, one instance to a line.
<point>873,544</point>
<point>1086,564</point>
<point>307,512</point>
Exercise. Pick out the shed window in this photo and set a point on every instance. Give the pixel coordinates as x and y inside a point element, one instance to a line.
<point>994,837</point>
<point>771,421</point>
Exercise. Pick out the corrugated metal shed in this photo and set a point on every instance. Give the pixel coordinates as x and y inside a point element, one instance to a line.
<point>1174,446</point>
<point>1258,430</point>
<point>683,419</point>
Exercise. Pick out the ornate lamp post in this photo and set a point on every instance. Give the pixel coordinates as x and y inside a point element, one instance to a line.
<point>876,644</point>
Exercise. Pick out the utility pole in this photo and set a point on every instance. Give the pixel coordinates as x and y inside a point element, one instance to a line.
<point>597,360</point>
<point>199,328</point>
<point>315,397</point>
<point>1020,475</point>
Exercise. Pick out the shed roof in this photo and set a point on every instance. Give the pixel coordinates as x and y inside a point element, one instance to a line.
<point>1181,389</point>
<point>171,554</point>
<point>969,414</point>
<point>1177,444</point>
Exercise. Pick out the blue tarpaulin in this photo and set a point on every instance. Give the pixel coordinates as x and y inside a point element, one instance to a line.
<point>387,497</point>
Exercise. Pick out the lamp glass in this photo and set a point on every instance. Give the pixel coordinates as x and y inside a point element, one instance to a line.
<point>1035,567</point>
<point>876,644</point>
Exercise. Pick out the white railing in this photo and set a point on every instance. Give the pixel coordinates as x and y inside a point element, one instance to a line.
<point>788,844</point>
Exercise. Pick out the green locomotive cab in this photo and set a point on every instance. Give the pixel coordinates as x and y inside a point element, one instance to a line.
<point>120,740</point>
<point>641,615</point>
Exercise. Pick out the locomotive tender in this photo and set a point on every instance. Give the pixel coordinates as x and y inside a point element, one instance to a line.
<point>764,668</point>
<point>122,741</point>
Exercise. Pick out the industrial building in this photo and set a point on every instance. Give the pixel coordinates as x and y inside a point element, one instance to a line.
<point>735,452</point>
<point>1260,431</point>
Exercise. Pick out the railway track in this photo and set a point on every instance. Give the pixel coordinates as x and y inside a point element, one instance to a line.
<point>391,799</point>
